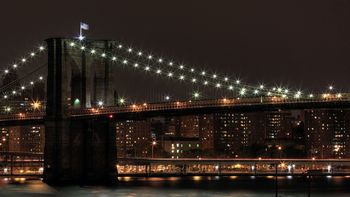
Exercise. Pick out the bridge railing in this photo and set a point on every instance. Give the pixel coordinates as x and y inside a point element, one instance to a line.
<point>200,104</point>
<point>22,116</point>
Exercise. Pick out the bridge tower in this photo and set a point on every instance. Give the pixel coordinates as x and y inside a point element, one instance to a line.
<point>78,151</point>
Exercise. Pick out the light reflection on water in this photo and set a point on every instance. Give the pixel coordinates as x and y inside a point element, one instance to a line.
<point>185,186</point>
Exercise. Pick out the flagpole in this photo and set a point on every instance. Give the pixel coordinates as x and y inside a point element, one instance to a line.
<point>81,32</point>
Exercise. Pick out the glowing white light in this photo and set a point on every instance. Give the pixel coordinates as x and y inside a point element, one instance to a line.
<point>120,46</point>
<point>159,71</point>
<point>238,81</point>
<point>14,66</point>
<point>147,68</point>
<point>225,79</point>
<point>182,77</point>
<point>32,54</point>
<point>330,87</point>
<point>130,50</point>
<point>100,103</point>
<point>93,51</point>
<point>261,87</point>
<point>125,61</point>
<point>214,76</point>
<point>194,80</point>
<point>32,83</point>
<point>286,91</point>
<point>170,74</point>
<point>339,95</point>
<point>192,69</point>
<point>6,71</point>
<point>13,92</point>
<point>279,89</point>
<point>167,98</point>
<point>230,87</point>
<point>205,83</point>
<point>103,55</point>
<point>160,60</point>
<point>122,101</point>
<point>218,85</point>
<point>24,60</point>
<point>329,168</point>
<point>170,63</point>
<point>23,87</point>
<point>82,48</point>
<point>72,44</point>
<point>81,37</point>
<point>203,73</point>
<point>41,78</point>
<point>273,89</point>
<point>284,96</point>
<point>139,53</point>
<point>41,48</point>
<point>181,67</point>
<point>114,58</point>
<point>297,95</point>
<point>242,92</point>
<point>136,65</point>
<point>311,95</point>
<point>268,93</point>
<point>256,91</point>
<point>196,95</point>
<point>150,57</point>
<point>5,96</point>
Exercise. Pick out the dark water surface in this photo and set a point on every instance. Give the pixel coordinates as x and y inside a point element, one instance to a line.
<point>187,186</point>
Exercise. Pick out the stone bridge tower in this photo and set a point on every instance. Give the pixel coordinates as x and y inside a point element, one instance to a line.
<point>78,151</point>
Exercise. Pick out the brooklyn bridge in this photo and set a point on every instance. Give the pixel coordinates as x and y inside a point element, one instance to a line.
<point>81,113</point>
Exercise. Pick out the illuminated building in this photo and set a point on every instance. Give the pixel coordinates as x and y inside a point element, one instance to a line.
<point>232,133</point>
<point>328,133</point>
<point>133,138</point>
<point>181,147</point>
<point>32,139</point>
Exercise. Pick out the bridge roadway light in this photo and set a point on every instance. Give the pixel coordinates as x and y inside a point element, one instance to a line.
<point>100,103</point>
<point>36,105</point>
<point>121,100</point>
<point>7,109</point>
<point>196,95</point>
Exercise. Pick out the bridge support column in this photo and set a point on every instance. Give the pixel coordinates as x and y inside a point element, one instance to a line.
<point>80,152</point>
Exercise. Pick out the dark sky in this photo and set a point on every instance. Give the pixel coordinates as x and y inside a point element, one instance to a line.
<point>303,44</point>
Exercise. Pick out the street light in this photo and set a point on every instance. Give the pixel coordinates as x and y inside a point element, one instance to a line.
<point>280,150</point>
<point>154,143</point>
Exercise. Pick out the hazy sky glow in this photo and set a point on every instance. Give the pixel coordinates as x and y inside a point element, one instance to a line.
<point>302,44</point>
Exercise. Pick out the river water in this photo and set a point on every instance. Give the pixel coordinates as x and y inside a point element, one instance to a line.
<point>187,186</point>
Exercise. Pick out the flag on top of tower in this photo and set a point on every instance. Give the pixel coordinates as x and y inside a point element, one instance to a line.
<point>84,26</point>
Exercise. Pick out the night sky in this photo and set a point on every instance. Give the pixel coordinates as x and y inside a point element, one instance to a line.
<point>301,44</point>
